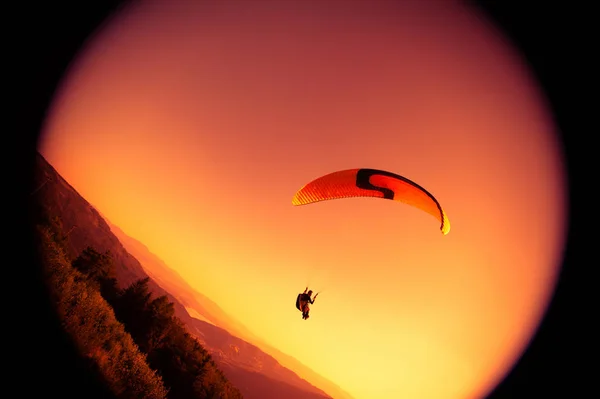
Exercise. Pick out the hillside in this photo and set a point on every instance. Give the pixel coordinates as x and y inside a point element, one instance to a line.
<point>255,373</point>
<point>202,308</point>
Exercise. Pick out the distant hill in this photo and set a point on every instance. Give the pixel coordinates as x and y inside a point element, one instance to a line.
<point>200,305</point>
<point>202,308</point>
<point>257,374</point>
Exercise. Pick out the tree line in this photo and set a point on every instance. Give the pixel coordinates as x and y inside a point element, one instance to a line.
<point>130,339</point>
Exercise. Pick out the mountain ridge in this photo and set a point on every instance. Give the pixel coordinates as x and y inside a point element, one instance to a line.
<point>85,226</point>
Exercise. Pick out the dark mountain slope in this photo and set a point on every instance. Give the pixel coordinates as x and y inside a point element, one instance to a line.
<point>84,226</point>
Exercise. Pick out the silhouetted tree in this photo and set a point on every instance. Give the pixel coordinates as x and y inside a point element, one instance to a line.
<point>100,270</point>
<point>161,314</point>
<point>131,309</point>
<point>209,384</point>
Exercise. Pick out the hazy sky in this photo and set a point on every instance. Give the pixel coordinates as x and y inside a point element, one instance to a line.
<point>191,125</point>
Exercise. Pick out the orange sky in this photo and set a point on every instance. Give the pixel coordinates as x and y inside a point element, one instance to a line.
<point>191,125</point>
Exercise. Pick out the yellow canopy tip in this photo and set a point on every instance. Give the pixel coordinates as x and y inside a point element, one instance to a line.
<point>445,225</point>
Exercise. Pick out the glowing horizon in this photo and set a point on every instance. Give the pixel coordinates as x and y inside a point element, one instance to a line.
<point>192,125</point>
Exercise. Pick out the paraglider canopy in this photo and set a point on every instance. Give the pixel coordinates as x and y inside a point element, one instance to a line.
<point>372,183</point>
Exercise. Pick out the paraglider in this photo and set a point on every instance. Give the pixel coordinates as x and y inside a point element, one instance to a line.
<point>303,300</point>
<point>366,183</point>
<point>372,183</point>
